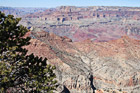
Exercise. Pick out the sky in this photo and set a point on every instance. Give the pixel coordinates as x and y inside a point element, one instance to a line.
<point>55,3</point>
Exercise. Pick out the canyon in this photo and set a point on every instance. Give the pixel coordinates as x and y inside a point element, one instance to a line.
<point>98,23</point>
<point>81,23</point>
<point>95,49</point>
<point>87,67</point>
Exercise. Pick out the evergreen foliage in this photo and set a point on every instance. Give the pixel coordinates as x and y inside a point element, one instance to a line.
<point>20,72</point>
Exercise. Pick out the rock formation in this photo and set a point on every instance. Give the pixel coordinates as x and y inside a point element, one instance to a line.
<point>83,67</point>
<point>98,23</point>
<point>81,23</point>
<point>68,13</point>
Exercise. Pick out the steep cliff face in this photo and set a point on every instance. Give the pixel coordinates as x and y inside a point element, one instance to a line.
<point>81,23</point>
<point>82,67</point>
<point>67,13</point>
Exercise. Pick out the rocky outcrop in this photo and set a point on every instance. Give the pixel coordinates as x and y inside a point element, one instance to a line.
<point>83,67</point>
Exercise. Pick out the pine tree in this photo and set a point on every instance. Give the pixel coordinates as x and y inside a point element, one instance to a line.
<point>20,72</point>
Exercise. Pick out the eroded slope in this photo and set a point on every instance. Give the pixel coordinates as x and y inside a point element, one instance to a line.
<point>86,66</point>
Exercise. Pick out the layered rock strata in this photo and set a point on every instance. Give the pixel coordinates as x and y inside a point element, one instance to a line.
<point>81,23</point>
<point>99,23</point>
<point>83,67</point>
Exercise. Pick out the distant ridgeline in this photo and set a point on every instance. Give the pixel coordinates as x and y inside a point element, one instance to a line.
<point>20,11</point>
<point>67,13</point>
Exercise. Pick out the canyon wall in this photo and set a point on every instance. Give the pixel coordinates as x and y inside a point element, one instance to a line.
<point>84,67</point>
<point>98,23</point>
<point>81,23</point>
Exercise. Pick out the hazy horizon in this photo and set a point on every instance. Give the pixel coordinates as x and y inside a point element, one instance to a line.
<point>78,3</point>
<point>67,5</point>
